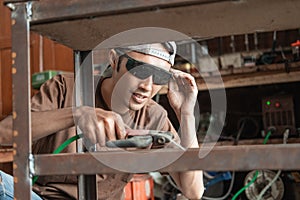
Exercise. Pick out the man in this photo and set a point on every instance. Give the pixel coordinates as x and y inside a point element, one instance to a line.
<point>123,102</point>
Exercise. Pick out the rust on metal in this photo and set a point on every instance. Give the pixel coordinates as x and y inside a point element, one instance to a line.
<point>237,158</point>
<point>21,101</point>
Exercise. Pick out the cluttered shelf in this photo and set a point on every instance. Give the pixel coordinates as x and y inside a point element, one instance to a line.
<point>256,141</point>
<point>247,76</point>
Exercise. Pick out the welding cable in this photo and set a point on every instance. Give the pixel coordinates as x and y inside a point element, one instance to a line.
<point>204,197</point>
<point>256,173</point>
<point>233,173</point>
<point>261,194</point>
<point>60,148</point>
<point>207,175</point>
<point>228,192</point>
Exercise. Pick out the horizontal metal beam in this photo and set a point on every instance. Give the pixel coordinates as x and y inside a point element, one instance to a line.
<point>87,30</point>
<point>57,10</point>
<point>221,158</point>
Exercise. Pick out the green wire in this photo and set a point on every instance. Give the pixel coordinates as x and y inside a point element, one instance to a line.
<point>59,149</point>
<point>246,186</point>
<point>255,175</point>
<point>267,137</point>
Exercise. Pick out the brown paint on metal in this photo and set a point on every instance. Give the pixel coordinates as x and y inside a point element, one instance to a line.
<point>207,20</point>
<point>237,158</point>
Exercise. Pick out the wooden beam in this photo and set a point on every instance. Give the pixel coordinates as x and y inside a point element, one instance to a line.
<point>6,155</point>
<point>250,80</point>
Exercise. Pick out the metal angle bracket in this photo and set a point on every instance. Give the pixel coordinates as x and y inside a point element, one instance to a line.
<point>29,9</point>
<point>31,165</point>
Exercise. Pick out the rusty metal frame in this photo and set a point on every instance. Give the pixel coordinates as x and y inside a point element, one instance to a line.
<point>87,184</point>
<point>21,101</point>
<point>221,158</point>
<point>59,10</point>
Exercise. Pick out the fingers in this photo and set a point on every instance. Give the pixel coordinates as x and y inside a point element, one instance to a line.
<point>120,127</point>
<point>99,126</point>
<point>182,79</point>
<point>100,134</point>
<point>110,126</point>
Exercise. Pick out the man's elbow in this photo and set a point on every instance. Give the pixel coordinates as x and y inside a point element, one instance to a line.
<point>194,193</point>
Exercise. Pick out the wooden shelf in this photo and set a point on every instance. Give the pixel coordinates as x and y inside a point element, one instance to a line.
<point>258,141</point>
<point>246,76</point>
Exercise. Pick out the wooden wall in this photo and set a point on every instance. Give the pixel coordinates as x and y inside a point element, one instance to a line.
<point>45,55</point>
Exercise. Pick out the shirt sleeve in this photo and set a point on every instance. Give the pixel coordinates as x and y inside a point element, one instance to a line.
<point>52,94</point>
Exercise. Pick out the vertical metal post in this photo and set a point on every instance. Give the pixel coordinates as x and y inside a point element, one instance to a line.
<point>21,100</point>
<point>87,184</point>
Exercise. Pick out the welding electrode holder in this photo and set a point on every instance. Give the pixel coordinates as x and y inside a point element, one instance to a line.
<point>152,138</point>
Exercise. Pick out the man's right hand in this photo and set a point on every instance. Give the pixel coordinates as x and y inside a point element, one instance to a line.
<point>98,125</point>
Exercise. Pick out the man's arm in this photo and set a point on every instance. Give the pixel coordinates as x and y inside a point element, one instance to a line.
<point>191,182</point>
<point>6,131</point>
<point>43,124</point>
<point>182,96</point>
<point>95,123</point>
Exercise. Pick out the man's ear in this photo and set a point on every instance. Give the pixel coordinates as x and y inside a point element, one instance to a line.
<point>113,59</point>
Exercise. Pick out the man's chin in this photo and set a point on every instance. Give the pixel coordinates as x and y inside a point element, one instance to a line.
<point>136,107</point>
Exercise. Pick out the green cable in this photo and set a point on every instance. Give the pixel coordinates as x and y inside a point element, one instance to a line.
<point>255,175</point>
<point>59,149</point>
<point>267,137</point>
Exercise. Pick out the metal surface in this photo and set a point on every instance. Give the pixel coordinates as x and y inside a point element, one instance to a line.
<point>278,113</point>
<point>21,102</point>
<point>195,19</point>
<point>57,10</point>
<point>221,158</point>
<point>87,185</point>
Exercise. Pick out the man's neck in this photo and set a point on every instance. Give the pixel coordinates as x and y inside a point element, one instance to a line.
<point>106,89</point>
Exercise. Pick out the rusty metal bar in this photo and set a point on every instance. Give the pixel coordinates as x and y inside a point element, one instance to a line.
<point>21,101</point>
<point>221,158</point>
<point>57,10</point>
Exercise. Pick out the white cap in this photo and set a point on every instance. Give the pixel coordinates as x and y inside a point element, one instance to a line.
<point>157,49</point>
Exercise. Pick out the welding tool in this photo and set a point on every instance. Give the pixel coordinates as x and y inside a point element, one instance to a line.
<point>143,139</point>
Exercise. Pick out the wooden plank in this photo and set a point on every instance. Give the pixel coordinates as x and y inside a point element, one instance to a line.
<point>6,155</point>
<point>261,75</point>
<point>5,43</point>
<point>252,80</point>
<point>257,141</point>
<point>6,81</point>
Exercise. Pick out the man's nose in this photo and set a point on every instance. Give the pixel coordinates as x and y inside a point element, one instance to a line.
<point>147,83</point>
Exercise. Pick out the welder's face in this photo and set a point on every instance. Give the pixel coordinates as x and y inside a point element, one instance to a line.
<point>140,77</point>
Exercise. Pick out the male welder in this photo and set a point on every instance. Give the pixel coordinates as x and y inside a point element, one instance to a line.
<point>123,100</point>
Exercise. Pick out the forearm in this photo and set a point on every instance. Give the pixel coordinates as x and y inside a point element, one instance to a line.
<point>6,131</point>
<point>43,124</point>
<point>190,182</point>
